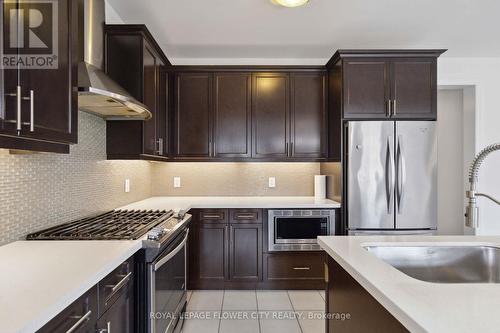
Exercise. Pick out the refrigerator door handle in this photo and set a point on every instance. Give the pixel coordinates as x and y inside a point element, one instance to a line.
<point>401,174</point>
<point>390,175</point>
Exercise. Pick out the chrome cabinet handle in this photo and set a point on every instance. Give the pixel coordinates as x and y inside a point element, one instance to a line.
<point>31,98</point>
<point>160,146</point>
<point>32,111</point>
<point>211,216</point>
<point>245,216</point>
<point>107,329</point>
<point>81,320</point>
<point>388,108</point>
<point>301,268</point>
<point>394,107</point>
<point>18,99</point>
<point>119,285</point>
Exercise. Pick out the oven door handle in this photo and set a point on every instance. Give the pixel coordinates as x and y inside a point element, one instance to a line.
<point>172,253</point>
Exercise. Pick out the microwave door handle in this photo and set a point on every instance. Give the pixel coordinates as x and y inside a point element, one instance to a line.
<point>171,254</point>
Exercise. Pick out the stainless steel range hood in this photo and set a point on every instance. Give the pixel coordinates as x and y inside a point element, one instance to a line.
<point>97,92</point>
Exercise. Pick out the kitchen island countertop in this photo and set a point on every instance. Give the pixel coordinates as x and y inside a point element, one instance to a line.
<point>420,306</point>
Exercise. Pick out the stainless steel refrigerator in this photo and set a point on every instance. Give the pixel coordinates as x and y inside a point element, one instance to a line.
<point>391,176</point>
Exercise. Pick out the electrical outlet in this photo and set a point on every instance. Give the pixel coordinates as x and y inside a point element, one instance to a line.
<point>272,182</point>
<point>127,185</point>
<point>177,182</point>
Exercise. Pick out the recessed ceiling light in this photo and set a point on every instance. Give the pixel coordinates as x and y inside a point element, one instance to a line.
<point>290,3</point>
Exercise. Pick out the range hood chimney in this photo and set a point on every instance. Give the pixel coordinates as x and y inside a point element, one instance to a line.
<point>97,92</point>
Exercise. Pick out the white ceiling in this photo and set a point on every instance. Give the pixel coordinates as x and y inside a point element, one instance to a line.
<point>256,31</point>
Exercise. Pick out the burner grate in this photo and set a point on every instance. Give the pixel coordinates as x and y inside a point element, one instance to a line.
<point>117,224</point>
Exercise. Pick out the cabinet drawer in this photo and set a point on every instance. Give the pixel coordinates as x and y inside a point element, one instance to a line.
<point>79,317</point>
<point>115,284</point>
<point>291,266</point>
<point>213,215</point>
<point>246,215</point>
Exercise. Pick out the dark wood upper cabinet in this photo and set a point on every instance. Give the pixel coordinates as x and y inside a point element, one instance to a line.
<point>271,115</point>
<point>366,88</point>
<point>48,111</point>
<point>193,115</point>
<point>232,114</point>
<point>413,88</point>
<point>385,84</point>
<point>308,115</point>
<point>132,47</point>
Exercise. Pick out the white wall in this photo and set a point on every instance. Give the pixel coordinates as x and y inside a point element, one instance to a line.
<point>112,17</point>
<point>484,74</point>
<point>450,131</point>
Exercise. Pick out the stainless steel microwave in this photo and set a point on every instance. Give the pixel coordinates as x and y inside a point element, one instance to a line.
<point>298,229</point>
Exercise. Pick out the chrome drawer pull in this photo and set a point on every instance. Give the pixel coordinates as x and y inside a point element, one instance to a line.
<point>302,268</point>
<point>80,321</point>
<point>245,216</point>
<point>119,285</point>
<point>212,216</point>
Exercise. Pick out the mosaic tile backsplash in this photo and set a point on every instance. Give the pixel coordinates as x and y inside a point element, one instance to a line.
<point>41,190</point>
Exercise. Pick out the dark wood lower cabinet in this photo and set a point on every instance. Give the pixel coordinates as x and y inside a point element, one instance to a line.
<point>245,252</point>
<point>294,270</point>
<point>81,315</point>
<point>345,296</point>
<point>120,316</point>
<point>108,306</point>
<point>226,251</point>
<point>211,250</point>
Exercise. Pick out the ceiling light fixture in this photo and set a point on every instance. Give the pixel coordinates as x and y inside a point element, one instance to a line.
<point>290,3</point>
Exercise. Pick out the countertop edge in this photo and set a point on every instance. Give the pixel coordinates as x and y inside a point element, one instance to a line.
<point>69,298</point>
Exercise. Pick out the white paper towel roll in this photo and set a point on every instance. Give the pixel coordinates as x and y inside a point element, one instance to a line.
<point>320,187</point>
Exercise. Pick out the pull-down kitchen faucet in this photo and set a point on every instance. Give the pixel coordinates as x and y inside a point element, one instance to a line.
<point>471,215</point>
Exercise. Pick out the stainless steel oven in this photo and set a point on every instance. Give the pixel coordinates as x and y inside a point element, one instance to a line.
<point>167,287</point>
<point>297,230</point>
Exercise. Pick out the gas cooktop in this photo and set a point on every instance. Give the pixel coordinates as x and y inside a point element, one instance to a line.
<point>116,224</point>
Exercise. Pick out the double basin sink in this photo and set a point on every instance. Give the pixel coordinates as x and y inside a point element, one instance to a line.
<point>443,264</point>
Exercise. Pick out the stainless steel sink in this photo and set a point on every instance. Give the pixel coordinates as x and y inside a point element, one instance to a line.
<point>443,264</point>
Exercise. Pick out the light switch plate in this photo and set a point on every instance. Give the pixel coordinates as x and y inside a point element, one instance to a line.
<point>127,185</point>
<point>177,182</point>
<point>272,182</point>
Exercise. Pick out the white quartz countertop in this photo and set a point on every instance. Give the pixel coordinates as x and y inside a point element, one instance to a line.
<point>39,279</point>
<point>178,203</point>
<point>420,306</point>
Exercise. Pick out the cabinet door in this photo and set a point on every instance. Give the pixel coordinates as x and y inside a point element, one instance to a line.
<point>270,115</point>
<point>120,316</point>
<point>366,88</point>
<point>162,114</point>
<point>232,124</point>
<point>48,106</point>
<point>211,252</point>
<point>245,252</point>
<point>308,115</point>
<point>414,88</point>
<point>193,125</point>
<point>9,79</point>
<point>150,99</point>
<point>80,316</point>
